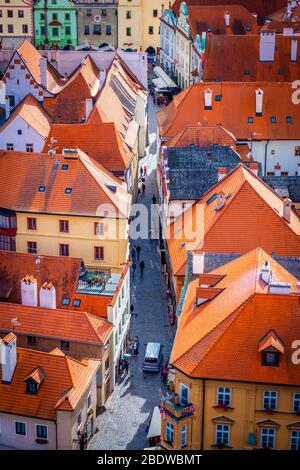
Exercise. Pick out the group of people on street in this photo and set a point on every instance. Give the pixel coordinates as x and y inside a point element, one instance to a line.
<point>142,179</point>
<point>133,349</point>
<point>135,257</point>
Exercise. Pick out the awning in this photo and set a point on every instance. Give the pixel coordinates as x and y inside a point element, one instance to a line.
<point>160,73</point>
<point>155,425</point>
<point>159,83</point>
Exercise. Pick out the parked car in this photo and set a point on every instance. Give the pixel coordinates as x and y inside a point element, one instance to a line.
<point>153,357</point>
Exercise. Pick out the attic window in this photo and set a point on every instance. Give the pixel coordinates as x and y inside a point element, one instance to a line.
<point>112,187</point>
<point>76,302</point>
<point>66,301</point>
<point>31,387</point>
<point>209,29</point>
<point>247,72</point>
<point>273,119</point>
<point>250,120</point>
<point>289,119</point>
<point>64,167</point>
<point>270,358</point>
<point>68,190</point>
<point>211,199</point>
<point>280,72</point>
<point>218,97</point>
<point>42,189</point>
<point>248,28</point>
<point>19,131</point>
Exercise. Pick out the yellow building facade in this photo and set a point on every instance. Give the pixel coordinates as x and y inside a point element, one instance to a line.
<point>16,22</point>
<point>139,25</point>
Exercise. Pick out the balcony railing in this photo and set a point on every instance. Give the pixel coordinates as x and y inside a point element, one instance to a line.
<point>93,279</point>
<point>173,405</point>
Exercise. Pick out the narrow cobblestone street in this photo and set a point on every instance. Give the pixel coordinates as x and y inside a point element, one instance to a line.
<point>124,423</point>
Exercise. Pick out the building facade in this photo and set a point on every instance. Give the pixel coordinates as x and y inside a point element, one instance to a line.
<point>16,23</point>
<point>167,53</point>
<point>55,24</point>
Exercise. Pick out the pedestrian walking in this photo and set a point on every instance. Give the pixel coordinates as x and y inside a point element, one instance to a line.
<point>141,172</point>
<point>123,364</point>
<point>143,188</point>
<point>154,199</point>
<point>145,171</point>
<point>126,366</point>
<point>129,346</point>
<point>136,345</point>
<point>142,267</point>
<point>133,267</point>
<point>138,250</point>
<point>133,253</point>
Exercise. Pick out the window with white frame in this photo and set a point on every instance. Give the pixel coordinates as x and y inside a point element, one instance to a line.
<point>267,438</point>
<point>270,400</point>
<point>183,435</point>
<point>296,402</point>
<point>41,431</point>
<point>222,434</point>
<point>295,440</point>
<point>224,396</point>
<point>169,433</point>
<point>89,402</point>
<point>184,394</point>
<point>20,428</point>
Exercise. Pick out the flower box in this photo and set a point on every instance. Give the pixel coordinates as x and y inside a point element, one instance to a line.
<point>270,411</point>
<point>41,441</point>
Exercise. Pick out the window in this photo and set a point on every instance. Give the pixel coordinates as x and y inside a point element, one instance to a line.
<point>297,151</point>
<point>66,301</point>
<point>1,28</point>
<point>183,435</point>
<point>289,119</point>
<point>65,345</point>
<point>19,131</point>
<point>55,32</point>
<point>273,119</point>
<point>99,253</point>
<point>169,433</point>
<point>76,302</point>
<point>42,30</point>
<point>7,243</point>
<point>31,387</point>
<point>29,147</point>
<point>68,30</point>
<point>42,17</point>
<point>103,12</point>
<point>42,189</point>
<point>184,394</point>
<point>68,190</point>
<point>10,13</point>
<point>222,434</point>
<point>24,28</point>
<point>267,438</point>
<point>97,29</point>
<point>41,431</point>
<point>99,228</point>
<point>21,13</point>
<point>31,340</point>
<point>270,358</point>
<point>54,16</point>
<point>67,16</point>
<point>128,14</point>
<point>296,402</point>
<point>63,250</point>
<point>64,226</point>
<point>150,30</point>
<point>295,440</point>
<point>86,29</point>
<point>270,400</point>
<point>224,396</point>
<point>32,247</point>
<point>128,31</point>
<point>64,167</point>
<point>89,401</point>
<point>250,119</point>
<point>0,13</point>
<point>108,30</point>
<point>20,428</point>
<point>9,146</point>
<point>218,97</point>
<point>31,223</point>
<point>155,13</point>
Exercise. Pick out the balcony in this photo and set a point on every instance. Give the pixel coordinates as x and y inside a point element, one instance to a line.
<point>172,405</point>
<point>97,281</point>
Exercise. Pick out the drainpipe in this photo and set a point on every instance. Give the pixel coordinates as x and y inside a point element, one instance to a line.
<point>266,156</point>
<point>46,21</point>
<point>203,407</point>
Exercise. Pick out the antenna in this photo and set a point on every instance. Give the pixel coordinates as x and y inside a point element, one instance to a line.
<point>14,322</point>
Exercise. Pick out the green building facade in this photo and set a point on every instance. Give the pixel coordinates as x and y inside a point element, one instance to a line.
<point>55,24</point>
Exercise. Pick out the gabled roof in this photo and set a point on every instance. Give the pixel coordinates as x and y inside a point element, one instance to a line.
<point>252,216</point>
<point>33,114</point>
<point>232,111</point>
<point>213,340</point>
<point>236,68</point>
<point>91,185</point>
<point>42,322</point>
<point>66,381</point>
<point>202,136</point>
<point>278,21</point>
<point>101,142</point>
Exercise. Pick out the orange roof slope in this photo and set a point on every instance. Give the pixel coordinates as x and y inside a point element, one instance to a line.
<point>90,184</point>
<point>235,68</point>
<point>39,321</point>
<point>277,21</point>
<point>252,216</point>
<point>232,112</point>
<point>69,106</point>
<point>66,380</point>
<point>203,17</point>
<point>31,58</point>
<point>100,141</point>
<point>203,136</point>
<point>213,339</point>
<point>33,114</point>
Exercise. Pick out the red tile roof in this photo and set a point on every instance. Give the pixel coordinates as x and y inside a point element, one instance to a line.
<point>91,185</point>
<point>66,380</point>
<point>232,112</point>
<point>242,60</point>
<point>202,136</point>
<point>213,339</point>
<point>277,21</point>
<point>252,216</point>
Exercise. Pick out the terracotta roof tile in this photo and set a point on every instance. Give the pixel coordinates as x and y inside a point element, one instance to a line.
<point>202,136</point>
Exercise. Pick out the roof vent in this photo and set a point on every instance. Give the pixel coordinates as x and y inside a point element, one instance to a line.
<point>287,208</point>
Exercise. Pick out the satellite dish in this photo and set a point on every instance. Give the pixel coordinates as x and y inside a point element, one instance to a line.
<point>97,18</point>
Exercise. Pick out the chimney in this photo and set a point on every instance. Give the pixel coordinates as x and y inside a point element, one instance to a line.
<point>88,108</point>
<point>198,263</point>
<point>280,288</point>
<point>254,168</point>
<point>7,107</point>
<point>43,72</point>
<point>8,357</point>
<point>277,169</point>
<point>208,99</point>
<point>294,49</point>
<point>48,295</point>
<point>259,97</point>
<point>267,46</point>
<point>102,77</point>
<point>222,172</point>
<point>287,207</point>
<point>227,18</point>
<point>221,200</point>
<point>266,272</point>
<point>29,293</point>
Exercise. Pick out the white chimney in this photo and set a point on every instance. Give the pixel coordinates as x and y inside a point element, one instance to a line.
<point>221,200</point>
<point>227,18</point>
<point>102,77</point>
<point>43,72</point>
<point>259,97</point>
<point>7,107</point>
<point>8,357</point>
<point>88,108</point>
<point>29,291</point>
<point>222,172</point>
<point>266,272</point>
<point>267,46</point>
<point>294,48</point>
<point>254,168</point>
<point>198,263</point>
<point>287,207</point>
<point>48,295</point>
<point>280,288</point>
<point>208,99</point>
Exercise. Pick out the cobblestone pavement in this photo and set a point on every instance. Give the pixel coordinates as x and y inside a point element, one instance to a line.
<point>123,424</point>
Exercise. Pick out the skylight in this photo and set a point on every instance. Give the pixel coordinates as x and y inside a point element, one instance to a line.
<point>211,199</point>
<point>68,190</point>
<point>42,189</point>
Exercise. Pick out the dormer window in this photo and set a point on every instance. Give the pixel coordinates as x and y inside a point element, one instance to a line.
<point>270,358</point>
<point>34,381</point>
<point>31,387</point>
<point>271,348</point>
